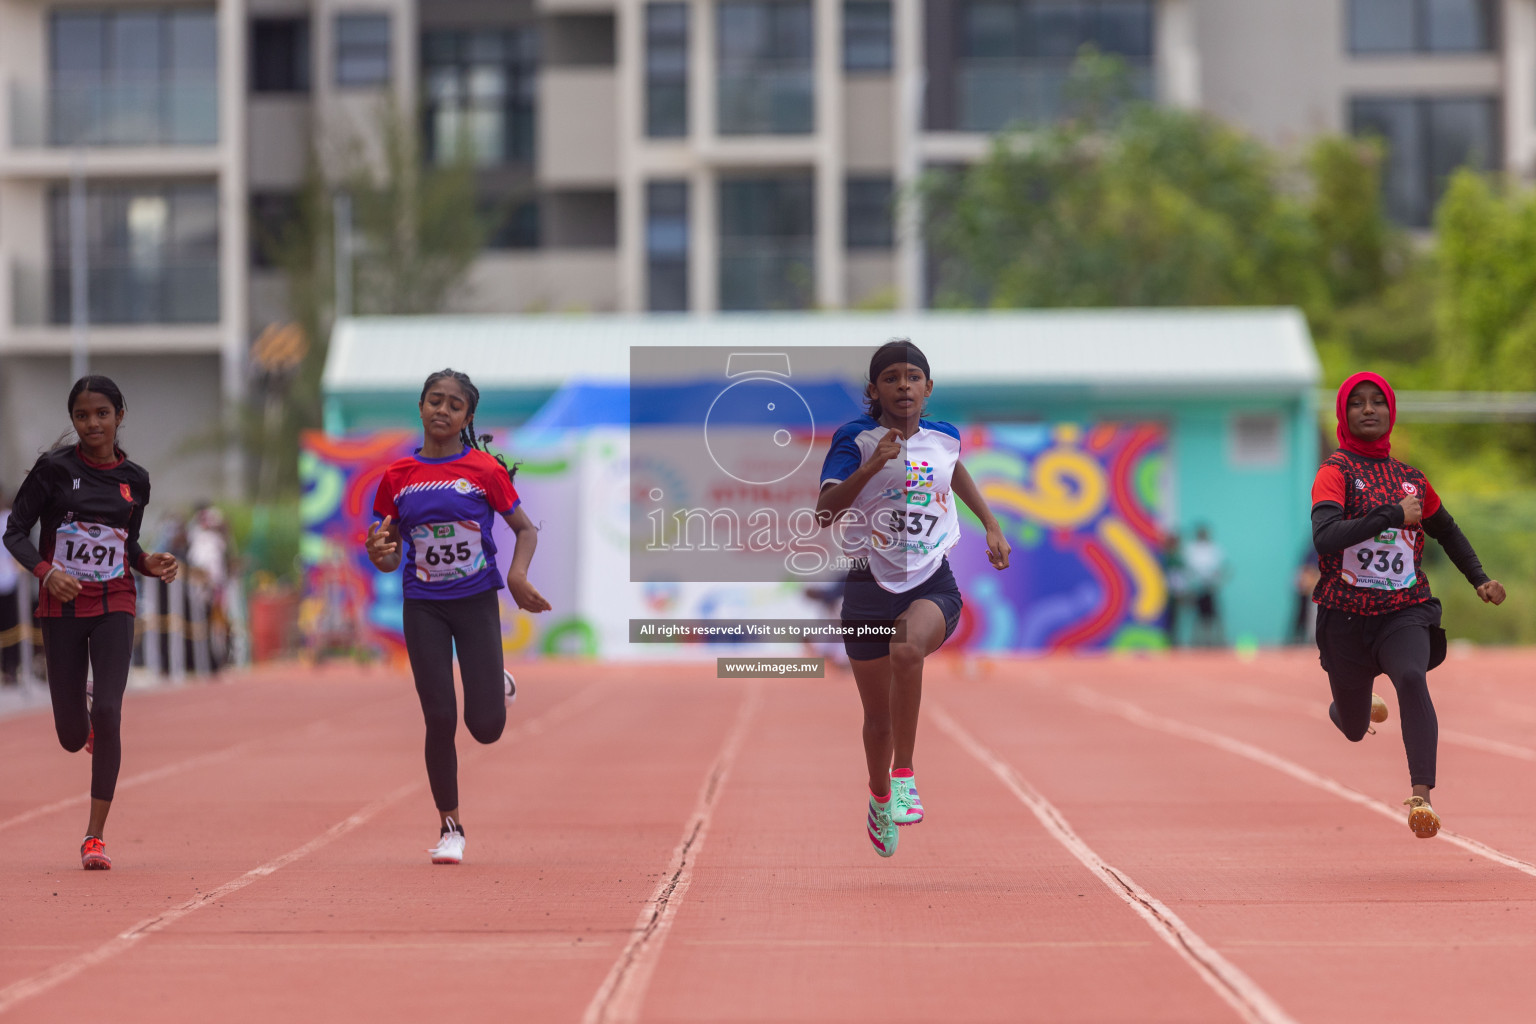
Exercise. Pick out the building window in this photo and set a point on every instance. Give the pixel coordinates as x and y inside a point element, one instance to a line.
<point>869,209</point>
<point>1426,140</point>
<point>273,216</point>
<point>131,78</point>
<point>152,254</point>
<point>481,95</point>
<point>517,228</point>
<point>1016,55</point>
<point>666,246</point>
<point>280,55</point>
<point>767,241</point>
<point>1421,26</point>
<point>866,35</point>
<point>362,49</point>
<point>766,81</point>
<point>666,70</point>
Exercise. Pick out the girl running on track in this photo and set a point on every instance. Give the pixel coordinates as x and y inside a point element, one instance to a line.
<point>1370,514</point>
<point>443,500</point>
<point>90,500</point>
<point>893,477</point>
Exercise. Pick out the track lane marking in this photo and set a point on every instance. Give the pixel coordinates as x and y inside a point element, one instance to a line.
<point>18,992</point>
<point>1295,706</point>
<point>164,771</point>
<point>1137,715</point>
<point>619,998</point>
<point>1223,977</point>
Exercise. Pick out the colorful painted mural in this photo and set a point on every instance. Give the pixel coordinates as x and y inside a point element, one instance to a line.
<point>351,607</point>
<point>1081,508</point>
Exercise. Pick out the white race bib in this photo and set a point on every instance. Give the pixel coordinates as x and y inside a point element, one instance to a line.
<point>447,551</point>
<point>1385,562</point>
<point>90,552</point>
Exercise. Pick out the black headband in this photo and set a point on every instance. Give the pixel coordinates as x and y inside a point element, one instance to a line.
<point>902,352</point>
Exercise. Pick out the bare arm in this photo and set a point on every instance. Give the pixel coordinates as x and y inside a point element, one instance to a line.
<point>383,545</point>
<point>836,499</point>
<point>524,593</point>
<point>966,490</point>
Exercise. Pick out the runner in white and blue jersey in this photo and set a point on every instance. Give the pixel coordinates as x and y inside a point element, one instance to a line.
<point>439,504</point>
<point>889,485</point>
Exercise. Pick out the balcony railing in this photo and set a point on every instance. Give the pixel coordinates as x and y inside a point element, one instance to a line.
<point>767,101</point>
<point>767,274</point>
<point>118,294</point>
<point>994,93</point>
<point>148,113</point>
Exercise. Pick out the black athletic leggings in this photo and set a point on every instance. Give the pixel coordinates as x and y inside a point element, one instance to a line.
<point>431,630</point>
<point>1356,649</point>
<point>104,644</point>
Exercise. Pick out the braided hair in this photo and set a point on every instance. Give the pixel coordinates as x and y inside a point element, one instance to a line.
<point>467,433</point>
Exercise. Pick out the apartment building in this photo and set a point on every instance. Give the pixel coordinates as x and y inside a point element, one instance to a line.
<point>123,128</point>
<point>651,155</point>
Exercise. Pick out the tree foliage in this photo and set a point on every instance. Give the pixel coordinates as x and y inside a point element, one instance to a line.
<point>416,228</point>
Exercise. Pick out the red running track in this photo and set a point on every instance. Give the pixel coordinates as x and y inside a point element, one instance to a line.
<point>1170,839</point>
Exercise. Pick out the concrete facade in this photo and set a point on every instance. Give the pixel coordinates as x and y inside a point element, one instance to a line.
<point>1285,71</point>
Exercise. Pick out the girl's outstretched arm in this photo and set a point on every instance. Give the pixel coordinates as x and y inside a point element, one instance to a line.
<point>966,490</point>
<point>1444,529</point>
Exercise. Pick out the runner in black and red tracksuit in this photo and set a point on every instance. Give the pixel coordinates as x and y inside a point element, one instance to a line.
<point>1370,514</point>
<point>90,500</point>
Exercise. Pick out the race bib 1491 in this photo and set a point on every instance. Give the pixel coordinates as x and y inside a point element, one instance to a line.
<point>90,552</point>
<point>447,551</point>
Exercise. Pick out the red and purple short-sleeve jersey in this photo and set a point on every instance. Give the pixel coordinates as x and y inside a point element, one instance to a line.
<point>1359,485</point>
<point>445,509</point>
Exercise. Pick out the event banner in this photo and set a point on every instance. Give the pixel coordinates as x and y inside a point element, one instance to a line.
<point>1081,506</point>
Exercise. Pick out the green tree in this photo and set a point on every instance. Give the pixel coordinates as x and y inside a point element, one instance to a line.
<point>416,228</point>
<point>1137,206</point>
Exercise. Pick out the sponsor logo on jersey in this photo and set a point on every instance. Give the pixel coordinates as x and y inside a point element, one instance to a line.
<point>919,474</point>
<point>77,483</point>
<point>1408,488</point>
<point>1359,484</point>
<point>127,494</point>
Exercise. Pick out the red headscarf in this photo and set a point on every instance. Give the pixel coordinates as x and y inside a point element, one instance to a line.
<point>1382,446</point>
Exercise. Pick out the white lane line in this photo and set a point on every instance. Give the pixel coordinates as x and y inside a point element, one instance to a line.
<point>18,992</point>
<point>164,771</point>
<point>1238,990</point>
<point>1140,716</point>
<point>619,997</point>
<point>1311,710</point>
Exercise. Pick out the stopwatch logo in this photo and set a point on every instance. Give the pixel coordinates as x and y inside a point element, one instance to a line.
<point>759,430</point>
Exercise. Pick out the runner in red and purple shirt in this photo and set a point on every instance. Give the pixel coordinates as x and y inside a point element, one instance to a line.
<point>1370,515</point>
<point>443,501</point>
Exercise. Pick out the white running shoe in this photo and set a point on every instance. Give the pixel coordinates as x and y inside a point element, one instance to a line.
<point>508,687</point>
<point>449,848</point>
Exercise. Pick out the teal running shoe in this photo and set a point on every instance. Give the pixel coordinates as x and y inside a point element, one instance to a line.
<point>882,830</point>
<point>906,805</point>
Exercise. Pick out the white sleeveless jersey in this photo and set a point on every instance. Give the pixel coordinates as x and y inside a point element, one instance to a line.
<point>903,521</point>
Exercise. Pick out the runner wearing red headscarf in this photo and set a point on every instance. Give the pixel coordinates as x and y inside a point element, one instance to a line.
<point>1370,514</point>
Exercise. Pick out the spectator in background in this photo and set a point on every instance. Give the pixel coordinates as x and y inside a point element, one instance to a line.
<point>1307,575</point>
<point>208,561</point>
<point>1206,565</point>
<point>10,614</point>
<point>1171,557</point>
